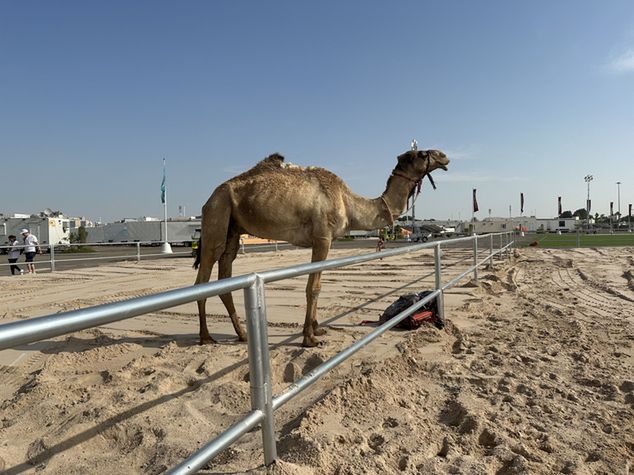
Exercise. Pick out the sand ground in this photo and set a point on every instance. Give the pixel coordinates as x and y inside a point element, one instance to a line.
<point>533,373</point>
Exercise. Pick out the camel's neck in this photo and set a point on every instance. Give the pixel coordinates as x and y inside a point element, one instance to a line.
<point>364,213</point>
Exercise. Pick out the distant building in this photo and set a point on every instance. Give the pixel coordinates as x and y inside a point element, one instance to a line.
<point>47,230</point>
<point>49,226</point>
<point>524,223</point>
<point>133,230</point>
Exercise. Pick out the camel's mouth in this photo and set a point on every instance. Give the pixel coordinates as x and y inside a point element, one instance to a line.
<point>441,160</point>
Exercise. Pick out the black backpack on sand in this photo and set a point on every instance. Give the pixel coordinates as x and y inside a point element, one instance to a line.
<point>427,313</point>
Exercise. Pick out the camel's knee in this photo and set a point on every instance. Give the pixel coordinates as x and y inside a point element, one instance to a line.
<point>313,289</point>
<point>313,293</point>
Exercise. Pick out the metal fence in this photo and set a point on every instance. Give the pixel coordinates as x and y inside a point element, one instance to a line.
<point>54,254</point>
<point>263,403</point>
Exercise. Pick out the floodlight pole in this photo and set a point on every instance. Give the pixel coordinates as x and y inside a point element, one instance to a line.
<point>618,201</point>
<point>588,179</point>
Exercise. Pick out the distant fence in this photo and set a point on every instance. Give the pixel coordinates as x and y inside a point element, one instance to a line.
<point>576,239</point>
<point>263,403</point>
<point>67,254</point>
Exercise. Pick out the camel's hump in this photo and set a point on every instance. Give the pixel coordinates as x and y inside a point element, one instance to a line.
<point>274,159</point>
<point>277,160</point>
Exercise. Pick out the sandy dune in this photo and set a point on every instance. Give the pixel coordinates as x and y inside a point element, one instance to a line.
<point>533,374</point>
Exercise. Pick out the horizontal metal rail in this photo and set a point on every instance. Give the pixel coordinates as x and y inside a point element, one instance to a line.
<point>217,445</point>
<point>32,330</point>
<point>80,244</point>
<point>303,269</point>
<point>40,328</point>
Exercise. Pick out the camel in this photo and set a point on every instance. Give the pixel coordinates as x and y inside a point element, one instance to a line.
<point>307,207</point>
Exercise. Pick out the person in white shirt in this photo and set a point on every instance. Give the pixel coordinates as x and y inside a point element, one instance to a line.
<point>13,255</point>
<point>31,247</point>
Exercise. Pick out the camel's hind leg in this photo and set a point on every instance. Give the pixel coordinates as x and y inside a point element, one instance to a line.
<point>213,238</point>
<point>320,253</point>
<point>224,270</point>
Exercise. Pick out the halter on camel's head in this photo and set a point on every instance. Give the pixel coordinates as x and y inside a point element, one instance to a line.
<point>415,165</point>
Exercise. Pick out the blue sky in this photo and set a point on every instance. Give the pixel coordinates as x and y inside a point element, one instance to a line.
<point>522,96</point>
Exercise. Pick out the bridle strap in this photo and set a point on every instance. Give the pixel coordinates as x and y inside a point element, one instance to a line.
<point>416,186</point>
<point>402,175</point>
<point>389,211</point>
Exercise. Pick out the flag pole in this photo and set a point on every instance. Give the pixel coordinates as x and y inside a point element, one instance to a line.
<point>165,248</point>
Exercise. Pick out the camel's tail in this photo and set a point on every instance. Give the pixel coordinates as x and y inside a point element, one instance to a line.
<point>197,260</point>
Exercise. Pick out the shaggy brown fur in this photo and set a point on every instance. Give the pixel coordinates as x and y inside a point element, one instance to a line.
<point>308,207</point>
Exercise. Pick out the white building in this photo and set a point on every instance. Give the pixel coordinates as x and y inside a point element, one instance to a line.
<point>525,223</point>
<point>48,230</point>
<point>132,231</point>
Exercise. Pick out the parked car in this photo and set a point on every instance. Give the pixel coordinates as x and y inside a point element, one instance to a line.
<point>420,236</point>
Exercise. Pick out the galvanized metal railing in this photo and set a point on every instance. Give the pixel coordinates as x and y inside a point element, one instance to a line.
<point>263,403</point>
<point>54,252</point>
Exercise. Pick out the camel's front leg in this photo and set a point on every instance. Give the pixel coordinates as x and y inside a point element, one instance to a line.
<point>204,273</point>
<point>320,253</point>
<point>224,270</point>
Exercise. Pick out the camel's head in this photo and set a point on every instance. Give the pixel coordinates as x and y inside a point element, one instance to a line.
<point>418,163</point>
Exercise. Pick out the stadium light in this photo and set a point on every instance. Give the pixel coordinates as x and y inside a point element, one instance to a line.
<point>588,179</point>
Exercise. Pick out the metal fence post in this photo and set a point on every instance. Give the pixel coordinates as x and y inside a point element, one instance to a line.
<point>138,251</point>
<point>475,258</point>
<point>259,364</point>
<point>578,238</point>
<point>52,248</point>
<point>440,300</point>
<point>490,251</point>
<point>499,257</point>
<point>242,249</point>
<point>510,248</point>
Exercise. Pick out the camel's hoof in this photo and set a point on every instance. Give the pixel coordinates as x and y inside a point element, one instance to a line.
<point>207,340</point>
<point>320,331</point>
<point>311,342</point>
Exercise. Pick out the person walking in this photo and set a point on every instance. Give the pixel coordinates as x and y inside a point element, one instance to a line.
<point>14,254</point>
<point>31,247</point>
<point>380,244</point>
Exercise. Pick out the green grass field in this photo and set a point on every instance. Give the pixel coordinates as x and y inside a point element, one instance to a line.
<point>587,240</point>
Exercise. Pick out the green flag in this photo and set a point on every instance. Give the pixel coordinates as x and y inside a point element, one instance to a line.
<point>163,184</point>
